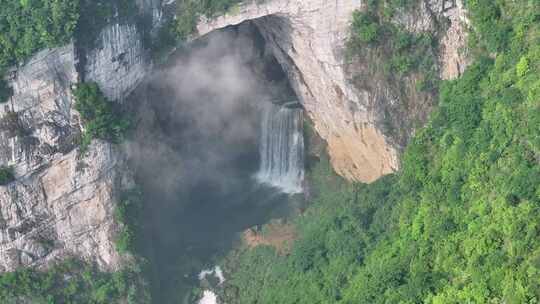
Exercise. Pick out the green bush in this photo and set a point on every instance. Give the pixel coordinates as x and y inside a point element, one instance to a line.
<point>365,27</point>
<point>128,213</point>
<point>6,175</point>
<point>487,17</point>
<point>5,90</point>
<point>403,52</point>
<point>71,281</point>
<point>101,120</point>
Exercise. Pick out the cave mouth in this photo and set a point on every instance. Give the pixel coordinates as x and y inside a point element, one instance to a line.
<point>196,151</point>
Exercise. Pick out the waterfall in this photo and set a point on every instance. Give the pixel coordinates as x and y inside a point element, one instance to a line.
<point>282,148</point>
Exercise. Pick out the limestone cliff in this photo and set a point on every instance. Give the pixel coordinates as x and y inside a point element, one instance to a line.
<point>59,205</point>
<point>308,38</point>
<point>62,204</point>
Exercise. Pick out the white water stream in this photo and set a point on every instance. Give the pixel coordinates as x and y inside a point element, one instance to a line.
<point>282,148</point>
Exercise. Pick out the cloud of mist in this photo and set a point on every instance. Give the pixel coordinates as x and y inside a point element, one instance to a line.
<point>195,151</point>
<point>199,118</point>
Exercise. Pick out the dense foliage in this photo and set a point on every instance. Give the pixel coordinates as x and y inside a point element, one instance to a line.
<point>72,282</point>
<point>29,25</point>
<point>6,175</point>
<point>403,52</point>
<point>127,214</point>
<point>101,119</point>
<point>460,223</point>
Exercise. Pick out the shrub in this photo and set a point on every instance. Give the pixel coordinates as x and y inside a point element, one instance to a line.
<point>5,90</point>
<point>6,175</point>
<point>12,125</point>
<point>100,118</point>
<point>488,21</point>
<point>522,67</point>
<point>404,52</point>
<point>127,213</point>
<point>186,22</point>
<point>365,27</point>
<point>125,240</point>
<point>401,64</point>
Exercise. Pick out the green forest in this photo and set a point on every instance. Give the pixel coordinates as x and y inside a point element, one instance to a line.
<point>73,281</point>
<point>459,223</point>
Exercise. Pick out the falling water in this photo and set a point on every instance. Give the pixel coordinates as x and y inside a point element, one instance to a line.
<point>282,148</point>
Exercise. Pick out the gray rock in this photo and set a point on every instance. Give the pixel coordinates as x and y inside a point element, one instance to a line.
<point>41,110</point>
<point>65,209</point>
<point>62,204</point>
<point>120,62</point>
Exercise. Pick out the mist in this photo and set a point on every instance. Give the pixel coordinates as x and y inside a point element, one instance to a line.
<point>195,153</point>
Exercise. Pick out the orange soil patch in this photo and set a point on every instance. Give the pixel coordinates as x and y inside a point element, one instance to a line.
<point>275,234</point>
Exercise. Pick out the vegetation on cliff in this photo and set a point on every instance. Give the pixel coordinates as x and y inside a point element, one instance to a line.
<point>101,119</point>
<point>5,90</point>
<point>26,27</point>
<point>128,213</point>
<point>73,281</point>
<point>403,52</point>
<point>459,223</point>
<point>6,175</point>
<point>189,12</point>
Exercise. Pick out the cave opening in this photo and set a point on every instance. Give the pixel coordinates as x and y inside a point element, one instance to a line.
<point>218,149</point>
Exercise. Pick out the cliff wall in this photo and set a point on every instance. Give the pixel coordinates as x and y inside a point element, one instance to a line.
<point>62,203</point>
<point>308,38</point>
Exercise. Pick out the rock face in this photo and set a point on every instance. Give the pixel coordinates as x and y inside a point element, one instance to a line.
<point>39,118</point>
<point>454,57</point>
<point>308,38</point>
<point>65,209</point>
<point>62,204</point>
<point>119,63</point>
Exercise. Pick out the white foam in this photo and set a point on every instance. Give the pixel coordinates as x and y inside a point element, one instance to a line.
<point>219,275</point>
<point>216,272</point>
<point>208,298</point>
